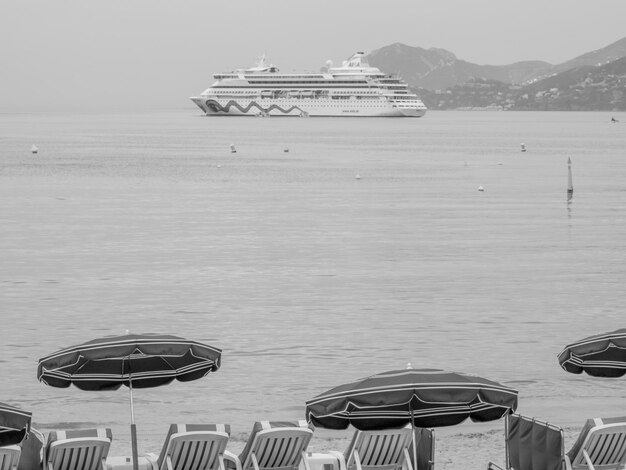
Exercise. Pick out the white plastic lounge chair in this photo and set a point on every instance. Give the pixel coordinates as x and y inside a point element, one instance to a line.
<point>600,446</point>
<point>535,445</point>
<point>193,447</point>
<point>10,457</point>
<point>388,449</point>
<point>81,449</point>
<point>276,445</point>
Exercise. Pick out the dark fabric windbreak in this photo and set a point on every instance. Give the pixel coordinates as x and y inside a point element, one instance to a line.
<point>602,355</point>
<point>425,457</point>
<point>428,397</point>
<point>14,424</point>
<point>30,458</point>
<point>533,445</point>
<point>108,363</point>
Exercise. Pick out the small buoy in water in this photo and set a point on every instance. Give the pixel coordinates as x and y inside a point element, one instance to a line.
<point>232,148</point>
<point>358,177</point>
<point>219,166</point>
<point>499,163</point>
<point>480,188</point>
<point>286,150</point>
<point>34,149</point>
<point>523,147</point>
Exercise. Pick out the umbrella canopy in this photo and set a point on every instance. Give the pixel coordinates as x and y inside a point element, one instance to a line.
<point>602,355</point>
<point>137,361</point>
<point>422,397</point>
<point>145,360</point>
<point>14,424</point>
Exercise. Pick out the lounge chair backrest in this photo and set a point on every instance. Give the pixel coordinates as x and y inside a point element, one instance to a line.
<point>604,448</point>
<point>380,450</point>
<point>276,445</point>
<point>9,457</point>
<point>194,447</point>
<point>85,449</point>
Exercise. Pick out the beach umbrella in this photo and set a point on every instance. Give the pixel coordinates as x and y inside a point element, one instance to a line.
<point>136,361</point>
<point>601,355</point>
<point>421,397</point>
<point>14,424</point>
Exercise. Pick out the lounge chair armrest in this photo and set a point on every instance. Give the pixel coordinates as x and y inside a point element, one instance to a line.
<point>340,457</point>
<point>153,460</point>
<point>492,466</point>
<point>231,461</point>
<point>588,460</point>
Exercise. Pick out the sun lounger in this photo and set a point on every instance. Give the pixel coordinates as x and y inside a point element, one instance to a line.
<point>81,449</point>
<point>536,445</point>
<point>277,445</point>
<point>388,449</point>
<point>601,445</point>
<point>193,447</point>
<point>10,457</point>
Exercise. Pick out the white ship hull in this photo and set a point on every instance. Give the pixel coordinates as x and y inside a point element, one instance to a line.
<point>302,108</point>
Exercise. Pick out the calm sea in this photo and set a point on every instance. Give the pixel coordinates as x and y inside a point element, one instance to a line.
<point>364,247</point>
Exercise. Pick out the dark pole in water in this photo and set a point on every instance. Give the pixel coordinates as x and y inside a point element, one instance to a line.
<point>570,186</point>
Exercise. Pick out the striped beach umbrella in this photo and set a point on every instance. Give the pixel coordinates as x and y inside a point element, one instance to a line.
<point>601,355</point>
<point>14,424</point>
<point>136,361</point>
<point>422,397</point>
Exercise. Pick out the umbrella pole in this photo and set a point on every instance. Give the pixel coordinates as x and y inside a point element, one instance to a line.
<point>133,428</point>
<point>414,442</point>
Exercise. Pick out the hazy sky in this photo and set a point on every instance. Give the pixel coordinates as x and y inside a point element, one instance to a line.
<point>132,55</point>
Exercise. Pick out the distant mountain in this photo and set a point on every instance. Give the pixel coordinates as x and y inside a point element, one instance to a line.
<point>600,88</point>
<point>439,69</point>
<point>605,55</point>
<point>584,88</point>
<point>593,81</point>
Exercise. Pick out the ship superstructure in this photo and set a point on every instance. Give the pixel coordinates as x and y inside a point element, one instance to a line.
<point>354,89</point>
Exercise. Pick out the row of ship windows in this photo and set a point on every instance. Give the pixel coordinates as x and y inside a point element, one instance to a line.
<point>277,87</point>
<point>309,92</point>
<point>308,78</point>
<point>251,97</point>
<point>274,77</point>
<point>309,82</point>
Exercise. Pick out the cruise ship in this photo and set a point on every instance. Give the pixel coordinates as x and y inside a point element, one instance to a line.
<point>354,89</point>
